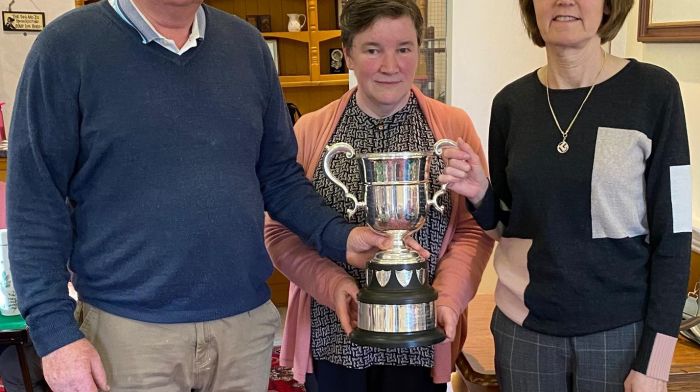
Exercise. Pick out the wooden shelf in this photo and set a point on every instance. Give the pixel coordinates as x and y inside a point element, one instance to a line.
<point>301,36</point>
<point>325,35</point>
<point>305,80</point>
<point>336,79</point>
<point>314,83</point>
<point>304,36</point>
<point>292,80</point>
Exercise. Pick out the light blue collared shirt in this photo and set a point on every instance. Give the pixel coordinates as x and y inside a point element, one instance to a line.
<point>128,11</point>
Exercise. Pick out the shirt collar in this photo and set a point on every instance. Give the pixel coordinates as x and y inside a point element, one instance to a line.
<point>130,14</point>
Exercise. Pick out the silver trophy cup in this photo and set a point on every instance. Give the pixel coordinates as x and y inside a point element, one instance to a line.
<point>397,304</point>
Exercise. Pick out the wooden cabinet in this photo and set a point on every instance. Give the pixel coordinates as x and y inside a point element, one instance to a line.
<point>303,57</point>
<point>3,166</point>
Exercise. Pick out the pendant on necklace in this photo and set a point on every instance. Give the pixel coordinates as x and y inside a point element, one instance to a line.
<point>563,147</point>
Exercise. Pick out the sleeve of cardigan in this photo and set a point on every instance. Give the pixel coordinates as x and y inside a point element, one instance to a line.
<point>462,265</point>
<point>300,263</point>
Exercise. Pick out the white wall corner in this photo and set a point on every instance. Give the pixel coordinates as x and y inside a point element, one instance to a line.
<point>618,46</point>
<point>448,51</point>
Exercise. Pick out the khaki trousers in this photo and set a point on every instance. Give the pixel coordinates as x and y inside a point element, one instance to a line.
<point>230,354</point>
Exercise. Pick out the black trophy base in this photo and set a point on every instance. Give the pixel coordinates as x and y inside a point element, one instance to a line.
<point>397,339</point>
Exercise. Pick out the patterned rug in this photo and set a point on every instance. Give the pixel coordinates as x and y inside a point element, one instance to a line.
<point>281,377</point>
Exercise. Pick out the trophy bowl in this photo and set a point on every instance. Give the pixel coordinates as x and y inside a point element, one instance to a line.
<point>397,304</point>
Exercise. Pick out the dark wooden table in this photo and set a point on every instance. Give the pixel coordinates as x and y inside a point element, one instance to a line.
<point>476,362</point>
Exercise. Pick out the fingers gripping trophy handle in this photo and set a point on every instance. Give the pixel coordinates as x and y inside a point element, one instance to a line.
<point>439,145</point>
<point>332,151</point>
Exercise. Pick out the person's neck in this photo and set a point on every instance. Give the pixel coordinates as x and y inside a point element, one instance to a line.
<point>171,21</point>
<point>573,68</point>
<point>377,110</point>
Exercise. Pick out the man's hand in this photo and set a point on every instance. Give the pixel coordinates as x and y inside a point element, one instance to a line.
<point>638,382</point>
<point>363,243</point>
<point>447,320</point>
<point>345,300</point>
<point>75,367</point>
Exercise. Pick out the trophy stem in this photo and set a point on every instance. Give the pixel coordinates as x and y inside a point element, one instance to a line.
<point>397,237</point>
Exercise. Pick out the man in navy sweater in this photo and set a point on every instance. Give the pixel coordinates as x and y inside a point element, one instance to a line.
<point>148,138</point>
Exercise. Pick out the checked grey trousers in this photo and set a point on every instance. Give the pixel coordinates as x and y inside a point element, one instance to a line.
<point>527,361</point>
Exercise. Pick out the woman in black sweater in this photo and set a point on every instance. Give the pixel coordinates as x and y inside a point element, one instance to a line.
<point>589,197</point>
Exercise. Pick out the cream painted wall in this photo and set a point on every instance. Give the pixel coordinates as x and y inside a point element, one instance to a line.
<point>488,49</point>
<point>14,47</point>
<point>683,61</point>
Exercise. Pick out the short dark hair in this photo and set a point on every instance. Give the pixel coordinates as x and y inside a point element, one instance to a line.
<point>358,16</point>
<point>609,26</point>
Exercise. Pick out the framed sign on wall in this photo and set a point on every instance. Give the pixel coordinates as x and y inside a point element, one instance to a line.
<point>669,21</point>
<point>23,21</point>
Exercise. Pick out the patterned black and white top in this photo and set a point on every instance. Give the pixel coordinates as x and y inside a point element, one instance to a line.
<point>406,130</point>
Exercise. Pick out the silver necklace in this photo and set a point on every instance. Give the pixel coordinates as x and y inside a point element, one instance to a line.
<point>563,146</point>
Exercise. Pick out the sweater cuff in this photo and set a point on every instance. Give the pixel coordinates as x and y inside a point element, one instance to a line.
<point>486,215</point>
<point>447,302</point>
<point>655,354</point>
<point>335,240</point>
<point>53,331</point>
<point>333,282</point>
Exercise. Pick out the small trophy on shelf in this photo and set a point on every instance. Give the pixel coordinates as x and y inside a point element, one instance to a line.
<point>337,61</point>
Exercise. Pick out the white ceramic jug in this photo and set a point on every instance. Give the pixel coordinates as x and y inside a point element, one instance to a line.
<point>294,22</point>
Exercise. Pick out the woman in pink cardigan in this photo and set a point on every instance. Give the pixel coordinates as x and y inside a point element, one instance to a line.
<point>381,40</point>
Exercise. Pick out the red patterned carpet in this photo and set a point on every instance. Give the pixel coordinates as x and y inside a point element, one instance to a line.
<point>281,377</point>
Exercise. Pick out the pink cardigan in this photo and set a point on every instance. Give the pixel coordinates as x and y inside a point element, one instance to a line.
<point>463,255</point>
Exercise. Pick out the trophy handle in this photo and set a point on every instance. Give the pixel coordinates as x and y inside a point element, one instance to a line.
<point>332,151</point>
<point>439,145</point>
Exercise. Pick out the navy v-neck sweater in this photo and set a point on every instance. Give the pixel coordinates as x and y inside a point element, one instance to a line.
<point>147,174</point>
